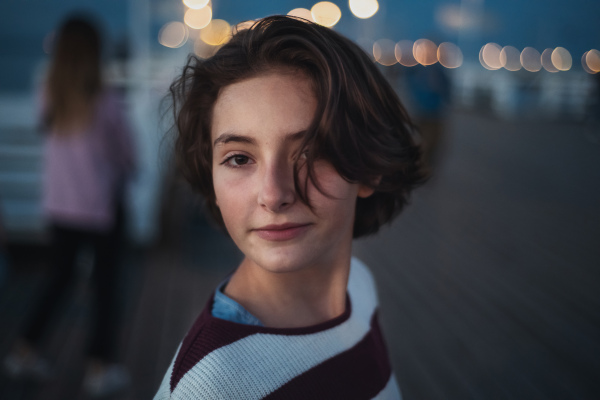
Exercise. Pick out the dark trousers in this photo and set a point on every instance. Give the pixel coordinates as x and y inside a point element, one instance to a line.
<point>66,243</point>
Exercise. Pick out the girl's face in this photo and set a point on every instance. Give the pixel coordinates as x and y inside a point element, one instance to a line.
<point>256,132</point>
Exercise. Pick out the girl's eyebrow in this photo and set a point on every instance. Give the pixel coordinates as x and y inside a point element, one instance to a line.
<point>234,137</point>
<point>294,137</point>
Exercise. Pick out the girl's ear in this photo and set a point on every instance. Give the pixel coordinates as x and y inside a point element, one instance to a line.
<point>365,191</point>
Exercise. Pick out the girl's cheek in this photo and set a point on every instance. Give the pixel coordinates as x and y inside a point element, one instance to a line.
<point>329,179</point>
<point>232,187</point>
<point>235,182</point>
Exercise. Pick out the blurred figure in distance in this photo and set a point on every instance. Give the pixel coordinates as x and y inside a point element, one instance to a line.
<point>88,158</point>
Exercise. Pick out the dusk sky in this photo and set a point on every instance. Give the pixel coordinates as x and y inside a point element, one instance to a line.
<point>537,23</point>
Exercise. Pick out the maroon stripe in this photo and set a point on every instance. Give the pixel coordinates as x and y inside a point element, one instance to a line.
<point>358,373</point>
<point>207,334</point>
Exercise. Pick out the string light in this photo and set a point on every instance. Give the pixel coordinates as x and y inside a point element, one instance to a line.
<point>204,50</point>
<point>302,13</point>
<point>384,52</point>
<point>425,52</point>
<point>173,35</point>
<point>196,4</point>
<point>489,56</point>
<point>531,59</point>
<point>584,64</point>
<point>363,8</point>
<point>561,59</point>
<point>404,53</point>
<point>510,58</point>
<point>592,60</point>
<point>242,26</point>
<point>326,13</point>
<point>449,55</point>
<point>546,60</point>
<point>198,19</point>
<point>216,33</point>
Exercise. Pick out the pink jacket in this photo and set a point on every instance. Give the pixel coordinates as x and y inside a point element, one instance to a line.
<point>84,173</point>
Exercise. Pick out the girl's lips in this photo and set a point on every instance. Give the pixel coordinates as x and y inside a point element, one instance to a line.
<point>279,233</point>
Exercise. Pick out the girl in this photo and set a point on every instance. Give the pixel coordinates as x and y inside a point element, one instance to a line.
<point>298,144</point>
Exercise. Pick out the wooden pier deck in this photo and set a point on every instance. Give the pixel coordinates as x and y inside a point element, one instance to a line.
<point>489,282</point>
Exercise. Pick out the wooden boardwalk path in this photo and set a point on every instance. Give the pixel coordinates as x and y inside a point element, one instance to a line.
<point>489,283</point>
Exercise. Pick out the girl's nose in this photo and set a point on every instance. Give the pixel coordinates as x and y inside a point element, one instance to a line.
<point>277,191</point>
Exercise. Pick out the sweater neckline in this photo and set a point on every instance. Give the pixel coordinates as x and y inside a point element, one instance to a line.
<point>207,317</point>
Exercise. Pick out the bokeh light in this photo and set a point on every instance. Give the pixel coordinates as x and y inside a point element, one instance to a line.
<point>482,61</point>
<point>326,13</point>
<point>531,59</point>
<point>198,19</point>
<point>363,8</point>
<point>173,34</point>
<point>301,13</point>
<point>546,59</point>
<point>384,52</point>
<point>204,50</point>
<point>449,55</point>
<point>489,56</point>
<point>196,4</point>
<point>510,58</point>
<point>404,53</point>
<point>216,33</point>
<point>584,63</point>
<point>561,59</point>
<point>425,52</point>
<point>243,25</point>
<point>592,60</point>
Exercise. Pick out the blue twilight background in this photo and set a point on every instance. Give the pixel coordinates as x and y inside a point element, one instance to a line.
<point>537,23</point>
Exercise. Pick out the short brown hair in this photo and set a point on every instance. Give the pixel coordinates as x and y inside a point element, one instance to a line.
<point>360,125</point>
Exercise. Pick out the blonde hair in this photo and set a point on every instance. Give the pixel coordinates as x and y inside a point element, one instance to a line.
<point>74,78</point>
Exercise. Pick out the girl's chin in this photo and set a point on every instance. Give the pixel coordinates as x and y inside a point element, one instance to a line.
<point>278,263</point>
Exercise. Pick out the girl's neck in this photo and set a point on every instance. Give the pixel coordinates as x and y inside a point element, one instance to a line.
<point>292,299</point>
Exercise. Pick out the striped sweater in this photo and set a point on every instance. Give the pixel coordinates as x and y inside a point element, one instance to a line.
<point>344,358</point>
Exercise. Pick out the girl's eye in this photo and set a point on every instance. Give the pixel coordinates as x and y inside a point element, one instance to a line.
<point>303,155</point>
<point>237,160</point>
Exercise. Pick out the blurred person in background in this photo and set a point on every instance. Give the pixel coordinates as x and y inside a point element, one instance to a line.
<point>88,158</point>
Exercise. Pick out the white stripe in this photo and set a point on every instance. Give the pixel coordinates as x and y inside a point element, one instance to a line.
<point>391,391</point>
<point>256,365</point>
<point>164,391</point>
<point>362,290</point>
